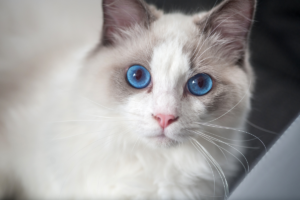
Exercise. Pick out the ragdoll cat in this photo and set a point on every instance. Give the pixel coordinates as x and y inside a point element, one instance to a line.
<point>153,111</point>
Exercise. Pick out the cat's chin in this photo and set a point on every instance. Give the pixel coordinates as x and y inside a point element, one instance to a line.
<point>161,141</point>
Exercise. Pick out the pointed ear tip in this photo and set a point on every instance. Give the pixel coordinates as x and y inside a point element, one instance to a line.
<point>247,4</point>
<point>251,2</point>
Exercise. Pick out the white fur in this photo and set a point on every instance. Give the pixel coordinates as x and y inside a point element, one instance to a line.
<point>64,136</point>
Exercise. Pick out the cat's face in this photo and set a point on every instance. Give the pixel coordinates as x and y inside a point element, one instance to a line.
<point>169,73</point>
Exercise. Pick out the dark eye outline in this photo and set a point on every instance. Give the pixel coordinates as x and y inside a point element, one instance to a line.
<point>204,93</point>
<point>128,79</point>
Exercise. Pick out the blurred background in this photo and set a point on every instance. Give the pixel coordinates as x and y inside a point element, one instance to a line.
<point>275,56</point>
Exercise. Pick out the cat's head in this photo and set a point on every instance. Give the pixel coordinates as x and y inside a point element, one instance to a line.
<point>168,73</point>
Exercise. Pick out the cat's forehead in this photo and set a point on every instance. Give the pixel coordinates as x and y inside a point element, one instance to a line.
<point>169,64</point>
<point>170,61</point>
<point>174,25</point>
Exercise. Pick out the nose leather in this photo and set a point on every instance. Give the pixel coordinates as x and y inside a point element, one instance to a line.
<point>165,120</point>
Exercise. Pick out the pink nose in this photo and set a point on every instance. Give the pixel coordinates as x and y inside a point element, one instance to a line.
<point>165,120</point>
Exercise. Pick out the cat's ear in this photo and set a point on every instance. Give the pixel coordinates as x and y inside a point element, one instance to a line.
<point>120,15</point>
<point>231,21</point>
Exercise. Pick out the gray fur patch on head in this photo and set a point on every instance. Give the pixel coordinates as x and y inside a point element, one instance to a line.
<point>137,49</point>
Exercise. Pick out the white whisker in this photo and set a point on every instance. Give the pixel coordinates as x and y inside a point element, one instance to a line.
<point>262,129</point>
<point>234,105</point>
<point>229,128</point>
<point>211,142</point>
<point>217,166</point>
<point>208,138</point>
<point>207,161</point>
<point>232,139</point>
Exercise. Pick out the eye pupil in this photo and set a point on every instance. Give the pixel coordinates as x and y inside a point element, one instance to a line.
<point>200,82</point>
<point>138,75</point>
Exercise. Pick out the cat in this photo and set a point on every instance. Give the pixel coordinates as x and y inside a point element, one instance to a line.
<point>152,111</point>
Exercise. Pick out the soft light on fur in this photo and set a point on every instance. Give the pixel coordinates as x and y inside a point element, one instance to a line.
<point>74,128</point>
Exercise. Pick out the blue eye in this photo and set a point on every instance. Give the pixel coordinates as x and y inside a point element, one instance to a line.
<point>138,76</point>
<point>200,84</point>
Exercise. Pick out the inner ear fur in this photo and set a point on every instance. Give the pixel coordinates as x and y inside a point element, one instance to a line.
<point>120,15</point>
